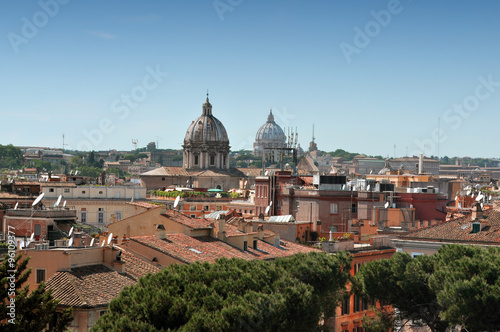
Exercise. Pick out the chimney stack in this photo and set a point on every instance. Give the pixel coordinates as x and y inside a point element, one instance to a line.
<point>421,164</point>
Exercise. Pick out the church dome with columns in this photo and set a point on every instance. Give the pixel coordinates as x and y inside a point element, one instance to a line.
<point>269,135</point>
<point>206,143</point>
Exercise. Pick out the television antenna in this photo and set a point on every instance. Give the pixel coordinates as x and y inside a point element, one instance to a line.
<point>58,201</point>
<point>110,237</point>
<point>38,200</point>
<point>134,143</point>
<point>177,199</point>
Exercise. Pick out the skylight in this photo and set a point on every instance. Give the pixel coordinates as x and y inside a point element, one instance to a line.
<point>195,250</point>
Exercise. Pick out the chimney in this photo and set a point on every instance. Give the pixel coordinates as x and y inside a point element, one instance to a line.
<point>222,228</point>
<point>118,264</point>
<point>161,232</point>
<point>260,232</point>
<point>421,164</point>
<point>477,212</point>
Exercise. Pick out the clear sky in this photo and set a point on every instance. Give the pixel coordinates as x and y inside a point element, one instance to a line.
<point>368,74</point>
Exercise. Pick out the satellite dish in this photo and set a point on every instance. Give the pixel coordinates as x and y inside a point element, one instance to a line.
<point>38,199</point>
<point>479,197</point>
<point>58,201</point>
<point>368,188</point>
<point>71,231</point>
<point>92,242</point>
<point>177,201</point>
<point>110,236</point>
<point>267,209</point>
<point>489,198</point>
<point>70,243</point>
<point>217,217</point>
<point>266,173</point>
<point>76,172</point>
<point>64,204</point>
<point>17,204</point>
<point>456,197</point>
<point>102,244</point>
<point>386,205</point>
<point>468,192</point>
<point>472,195</point>
<point>270,203</point>
<point>482,205</point>
<point>343,187</point>
<point>132,199</point>
<point>32,237</point>
<point>245,185</point>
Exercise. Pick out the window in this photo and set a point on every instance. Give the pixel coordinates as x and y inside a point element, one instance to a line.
<point>413,254</point>
<point>196,160</point>
<point>51,190</point>
<point>102,312</point>
<point>334,207</point>
<point>66,190</point>
<point>38,229</point>
<point>218,208</point>
<point>193,208</point>
<point>193,216</point>
<point>100,217</point>
<point>100,192</point>
<point>212,160</point>
<point>118,215</point>
<point>333,228</point>
<point>357,304</point>
<point>345,306</point>
<point>245,245</point>
<point>205,207</point>
<point>354,208</point>
<point>356,267</point>
<point>40,275</point>
<point>255,244</point>
<point>83,191</point>
<point>83,217</point>
<point>163,179</point>
<point>224,161</point>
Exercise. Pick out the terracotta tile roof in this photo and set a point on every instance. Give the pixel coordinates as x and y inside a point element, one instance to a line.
<point>459,230</point>
<point>26,183</point>
<point>167,171</point>
<point>144,205</point>
<point>134,266</point>
<point>88,286</point>
<point>190,249</point>
<point>58,184</point>
<point>183,219</point>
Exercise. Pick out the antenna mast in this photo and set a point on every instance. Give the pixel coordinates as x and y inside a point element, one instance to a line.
<point>63,145</point>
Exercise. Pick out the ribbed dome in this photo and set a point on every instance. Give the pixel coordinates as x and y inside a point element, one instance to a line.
<point>270,131</point>
<point>206,128</point>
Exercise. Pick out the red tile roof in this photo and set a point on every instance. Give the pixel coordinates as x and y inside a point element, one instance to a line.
<point>134,266</point>
<point>144,205</point>
<point>459,230</point>
<point>183,219</point>
<point>88,286</point>
<point>190,249</point>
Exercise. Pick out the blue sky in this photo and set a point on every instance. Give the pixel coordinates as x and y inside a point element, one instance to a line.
<point>368,74</point>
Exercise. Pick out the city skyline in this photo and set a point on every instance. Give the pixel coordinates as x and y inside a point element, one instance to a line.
<point>369,75</point>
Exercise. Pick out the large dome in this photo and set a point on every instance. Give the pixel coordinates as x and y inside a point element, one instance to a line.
<point>270,131</point>
<point>269,135</point>
<point>206,143</point>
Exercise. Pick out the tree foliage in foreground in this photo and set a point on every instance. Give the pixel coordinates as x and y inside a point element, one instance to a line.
<point>30,311</point>
<point>460,285</point>
<point>233,294</point>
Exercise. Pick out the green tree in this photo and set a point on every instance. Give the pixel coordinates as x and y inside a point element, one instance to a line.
<point>90,171</point>
<point>460,285</point>
<point>10,156</point>
<point>232,294</point>
<point>33,311</point>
